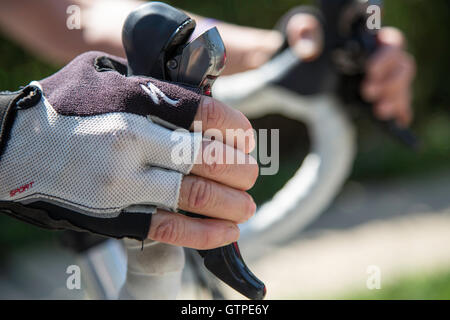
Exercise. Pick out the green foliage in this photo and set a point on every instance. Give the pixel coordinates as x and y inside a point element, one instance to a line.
<point>16,234</point>
<point>421,286</point>
<point>426,25</point>
<point>18,67</point>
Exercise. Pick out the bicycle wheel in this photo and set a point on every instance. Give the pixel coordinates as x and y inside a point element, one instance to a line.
<point>319,176</point>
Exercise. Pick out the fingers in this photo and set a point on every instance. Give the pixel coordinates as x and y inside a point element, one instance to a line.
<point>224,123</point>
<point>215,200</point>
<point>179,230</point>
<point>390,73</point>
<point>305,36</point>
<point>389,36</point>
<point>226,165</point>
<point>382,63</point>
<point>396,78</point>
<point>164,148</point>
<point>396,108</point>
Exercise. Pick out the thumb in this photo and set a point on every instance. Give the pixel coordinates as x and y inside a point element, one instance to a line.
<point>305,36</point>
<point>393,37</point>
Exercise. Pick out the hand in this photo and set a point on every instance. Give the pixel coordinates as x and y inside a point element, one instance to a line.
<point>213,189</point>
<point>390,71</point>
<point>90,149</point>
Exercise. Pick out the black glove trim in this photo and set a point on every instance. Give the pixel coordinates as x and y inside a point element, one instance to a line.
<point>103,63</point>
<point>10,102</point>
<point>47,215</point>
<point>93,84</point>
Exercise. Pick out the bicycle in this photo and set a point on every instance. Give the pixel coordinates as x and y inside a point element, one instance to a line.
<point>320,175</point>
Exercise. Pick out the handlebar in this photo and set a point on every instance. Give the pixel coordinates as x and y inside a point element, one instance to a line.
<point>312,93</point>
<point>258,92</point>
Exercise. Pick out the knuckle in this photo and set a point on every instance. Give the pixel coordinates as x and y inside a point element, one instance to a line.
<point>206,240</point>
<point>215,169</point>
<point>122,139</point>
<point>170,230</point>
<point>200,194</point>
<point>213,115</point>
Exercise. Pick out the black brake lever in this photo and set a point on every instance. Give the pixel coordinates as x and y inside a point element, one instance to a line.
<point>349,44</point>
<point>155,37</point>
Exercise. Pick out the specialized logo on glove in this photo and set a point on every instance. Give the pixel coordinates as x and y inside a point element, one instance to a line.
<point>156,94</point>
<point>95,83</point>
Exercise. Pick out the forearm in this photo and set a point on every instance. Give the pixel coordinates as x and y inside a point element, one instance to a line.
<point>41,27</point>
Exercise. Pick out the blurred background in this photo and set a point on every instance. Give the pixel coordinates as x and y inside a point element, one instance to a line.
<point>394,211</point>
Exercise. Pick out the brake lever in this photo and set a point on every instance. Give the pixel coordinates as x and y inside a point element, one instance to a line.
<point>350,44</point>
<point>155,37</point>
